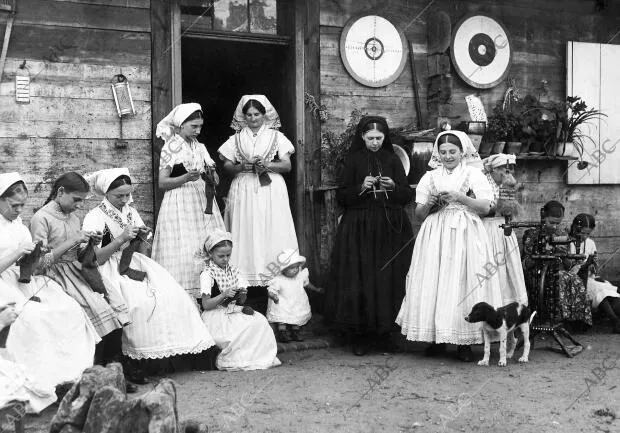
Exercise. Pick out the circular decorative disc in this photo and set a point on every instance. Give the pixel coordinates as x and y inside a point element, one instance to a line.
<point>481,51</point>
<point>373,50</point>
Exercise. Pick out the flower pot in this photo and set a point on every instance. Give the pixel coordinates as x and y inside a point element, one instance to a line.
<point>565,149</point>
<point>525,147</point>
<point>485,147</point>
<point>513,147</point>
<point>498,147</point>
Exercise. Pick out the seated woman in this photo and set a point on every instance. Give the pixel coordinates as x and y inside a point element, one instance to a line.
<point>245,337</point>
<point>573,306</point>
<point>164,319</point>
<point>603,294</point>
<point>57,226</point>
<point>16,384</point>
<point>52,338</point>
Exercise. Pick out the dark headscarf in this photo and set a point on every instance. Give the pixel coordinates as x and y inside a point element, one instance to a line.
<point>553,209</point>
<point>583,220</point>
<point>365,125</point>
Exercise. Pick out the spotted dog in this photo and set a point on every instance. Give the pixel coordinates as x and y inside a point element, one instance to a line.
<point>503,321</point>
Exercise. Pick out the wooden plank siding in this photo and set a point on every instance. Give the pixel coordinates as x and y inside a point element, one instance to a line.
<point>72,49</point>
<point>539,32</point>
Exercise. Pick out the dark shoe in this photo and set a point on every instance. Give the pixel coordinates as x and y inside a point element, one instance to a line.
<point>281,336</point>
<point>386,343</point>
<point>360,349</point>
<point>130,388</point>
<point>435,349</point>
<point>465,353</point>
<point>295,335</point>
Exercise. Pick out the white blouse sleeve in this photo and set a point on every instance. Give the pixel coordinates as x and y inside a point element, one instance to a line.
<point>285,147</point>
<point>423,190</point>
<point>206,283</point>
<point>206,157</point>
<point>170,152</point>
<point>94,222</point>
<point>273,286</point>
<point>305,275</point>
<point>228,150</point>
<point>479,183</point>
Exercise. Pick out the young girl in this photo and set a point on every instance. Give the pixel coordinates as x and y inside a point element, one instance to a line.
<point>246,340</point>
<point>288,301</point>
<point>182,222</point>
<point>59,228</point>
<point>603,294</point>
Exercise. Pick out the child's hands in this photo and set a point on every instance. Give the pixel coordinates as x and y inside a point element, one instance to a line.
<point>273,297</point>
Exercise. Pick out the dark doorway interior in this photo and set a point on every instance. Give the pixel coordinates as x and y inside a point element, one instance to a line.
<point>216,73</point>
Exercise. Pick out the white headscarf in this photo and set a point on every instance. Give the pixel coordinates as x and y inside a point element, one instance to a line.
<point>215,237</point>
<point>8,179</point>
<point>174,119</point>
<point>101,180</point>
<point>470,154</point>
<point>498,160</point>
<point>272,119</point>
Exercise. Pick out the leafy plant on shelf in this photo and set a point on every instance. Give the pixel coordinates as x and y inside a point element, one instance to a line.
<point>335,147</point>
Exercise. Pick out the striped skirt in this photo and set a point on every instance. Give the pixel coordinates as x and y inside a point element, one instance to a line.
<point>182,227</point>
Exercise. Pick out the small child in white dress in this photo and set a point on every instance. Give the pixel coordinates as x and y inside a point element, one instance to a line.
<point>288,302</point>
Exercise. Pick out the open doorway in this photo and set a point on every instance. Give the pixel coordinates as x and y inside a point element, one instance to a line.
<point>217,72</point>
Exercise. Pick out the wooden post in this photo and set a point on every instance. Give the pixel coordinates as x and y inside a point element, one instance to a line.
<point>312,141</point>
<point>300,123</point>
<point>161,81</point>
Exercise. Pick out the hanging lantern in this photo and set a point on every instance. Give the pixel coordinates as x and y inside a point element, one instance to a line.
<point>122,96</point>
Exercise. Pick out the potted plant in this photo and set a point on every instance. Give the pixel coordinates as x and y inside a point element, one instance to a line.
<point>537,126</point>
<point>498,130</point>
<point>335,147</point>
<point>571,118</point>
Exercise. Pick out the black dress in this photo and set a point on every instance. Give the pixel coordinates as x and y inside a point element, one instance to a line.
<point>373,247</point>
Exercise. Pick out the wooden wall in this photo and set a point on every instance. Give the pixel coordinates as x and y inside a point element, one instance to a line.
<point>539,32</point>
<point>72,49</point>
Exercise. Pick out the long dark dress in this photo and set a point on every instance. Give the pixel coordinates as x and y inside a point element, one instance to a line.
<point>373,247</point>
<point>573,302</point>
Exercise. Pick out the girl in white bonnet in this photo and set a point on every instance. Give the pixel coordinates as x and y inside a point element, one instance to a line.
<point>244,336</point>
<point>288,302</point>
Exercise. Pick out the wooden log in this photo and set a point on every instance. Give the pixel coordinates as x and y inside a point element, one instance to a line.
<point>48,158</point>
<point>142,4</point>
<point>79,45</point>
<point>81,81</point>
<point>83,15</point>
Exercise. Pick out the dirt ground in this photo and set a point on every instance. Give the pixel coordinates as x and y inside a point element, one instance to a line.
<point>331,390</point>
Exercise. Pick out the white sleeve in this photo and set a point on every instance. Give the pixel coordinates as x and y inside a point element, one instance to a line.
<point>93,222</point>
<point>273,286</point>
<point>228,149</point>
<point>305,274</point>
<point>206,283</point>
<point>284,145</point>
<point>423,190</point>
<point>479,183</point>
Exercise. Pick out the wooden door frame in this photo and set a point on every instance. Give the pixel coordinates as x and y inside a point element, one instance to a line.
<point>166,93</point>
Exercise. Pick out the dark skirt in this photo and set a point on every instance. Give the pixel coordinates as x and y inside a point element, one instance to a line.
<point>369,266</point>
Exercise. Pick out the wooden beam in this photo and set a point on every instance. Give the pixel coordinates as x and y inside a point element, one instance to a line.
<point>300,166</point>
<point>312,139</point>
<point>161,81</point>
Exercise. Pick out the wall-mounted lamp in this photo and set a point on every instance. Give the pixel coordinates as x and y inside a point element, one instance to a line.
<point>124,104</point>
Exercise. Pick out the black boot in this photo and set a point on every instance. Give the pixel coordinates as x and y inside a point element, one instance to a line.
<point>465,353</point>
<point>435,349</point>
<point>360,344</point>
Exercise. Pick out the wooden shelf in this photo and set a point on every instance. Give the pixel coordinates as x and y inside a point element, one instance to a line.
<point>542,157</point>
